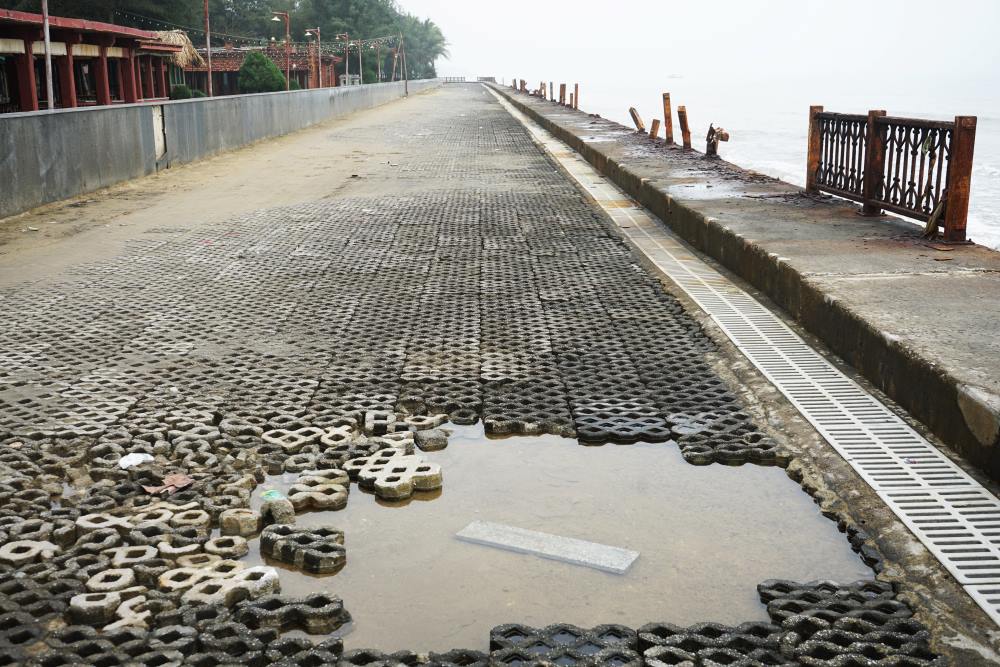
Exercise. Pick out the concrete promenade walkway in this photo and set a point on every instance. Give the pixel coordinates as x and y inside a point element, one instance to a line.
<point>266,310</point>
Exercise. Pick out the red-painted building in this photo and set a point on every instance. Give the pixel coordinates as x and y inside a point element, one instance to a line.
<point>92,63</point>
<point>303,62</point>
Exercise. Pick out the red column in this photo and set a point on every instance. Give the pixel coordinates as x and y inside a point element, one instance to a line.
<point>137,78</point>
<point>126,68</point>
<point>120,78</point>
<point>147,75</point>
<point>67,79</point>
<point>101,77</point>
<point>161,66</point>
<point>27,93</point>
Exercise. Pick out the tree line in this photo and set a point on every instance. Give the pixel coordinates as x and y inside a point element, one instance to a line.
<point>361,19</point>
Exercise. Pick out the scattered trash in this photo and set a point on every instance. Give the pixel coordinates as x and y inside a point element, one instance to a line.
<point>134,459</point>
<point>171,485</point>
<point>355,176</point>
<point>30,229</point>
<point>272,494</point>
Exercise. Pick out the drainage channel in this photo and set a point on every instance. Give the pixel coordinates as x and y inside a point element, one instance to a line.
<point>954,516</point>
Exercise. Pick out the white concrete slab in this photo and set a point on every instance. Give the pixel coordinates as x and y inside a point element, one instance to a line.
<point>565,549</point>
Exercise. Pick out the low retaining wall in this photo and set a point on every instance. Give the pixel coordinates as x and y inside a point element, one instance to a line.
<point>48,156</point>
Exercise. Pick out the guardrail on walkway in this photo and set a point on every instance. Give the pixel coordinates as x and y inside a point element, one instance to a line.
<point>917,168</point>
<point>452,79</point>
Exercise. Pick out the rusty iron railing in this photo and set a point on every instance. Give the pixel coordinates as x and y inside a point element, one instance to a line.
<point>920,169</point>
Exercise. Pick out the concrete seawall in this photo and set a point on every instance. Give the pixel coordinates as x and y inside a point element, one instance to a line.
<point>46,157</point>
<point>915,320</point>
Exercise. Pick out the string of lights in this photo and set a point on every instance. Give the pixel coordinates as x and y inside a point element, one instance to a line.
<point>333,47</point>
<point>140,21</point>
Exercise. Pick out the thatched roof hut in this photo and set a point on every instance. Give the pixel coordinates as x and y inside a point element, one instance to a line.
<point>188,56</point>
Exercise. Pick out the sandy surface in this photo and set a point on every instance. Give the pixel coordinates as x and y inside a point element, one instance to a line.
<point>291,169</point>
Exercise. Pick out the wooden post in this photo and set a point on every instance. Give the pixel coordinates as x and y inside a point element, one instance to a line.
<point>571,100</point>
<point>576,96</point>
<point>562,94</point>
<point>874,163</point>
<point>654,129</point>
<point>813,154</point>
<point>682,117</point>
<point>552,91</point>
<point>956,208</point>
<point>668,121</point>
<point>541,87</point>
<point>639,125</point>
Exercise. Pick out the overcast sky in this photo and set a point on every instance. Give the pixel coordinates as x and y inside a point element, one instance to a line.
<point>898,42</point>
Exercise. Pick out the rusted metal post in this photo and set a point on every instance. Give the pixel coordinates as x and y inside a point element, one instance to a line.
<point>654,128</point>
<point>571,100</point>
<point>639,125</point>
<point>712,139</point>
<point>874,164</point>
<point>956,208</point>
<point>562,94</point>
<point>682,117</point>
<point>813,153</point>
<point>576,96</point>
<point>668,121</point>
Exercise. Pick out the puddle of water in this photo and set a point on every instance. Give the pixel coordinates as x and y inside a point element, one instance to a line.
<point>706,537</point>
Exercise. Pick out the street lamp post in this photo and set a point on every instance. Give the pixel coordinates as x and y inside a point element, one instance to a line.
<point>319,52</point>
<point>361,74</point>
<point>347,57</point>
<point>278,16</point>
<point>48,57</point>
<point>208,50</point>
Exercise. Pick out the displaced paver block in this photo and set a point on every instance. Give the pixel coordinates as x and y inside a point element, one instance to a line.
<point>556,547</point>
<point>394,475</point>
<point>320,490</point>
<point>316,550</point>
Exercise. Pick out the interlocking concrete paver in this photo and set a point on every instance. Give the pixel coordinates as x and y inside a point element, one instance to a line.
<point>466,277</point>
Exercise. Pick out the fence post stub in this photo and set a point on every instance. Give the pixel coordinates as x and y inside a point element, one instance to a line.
<point>956,208</point>
<point>874,164</point>
<point>812,159</point>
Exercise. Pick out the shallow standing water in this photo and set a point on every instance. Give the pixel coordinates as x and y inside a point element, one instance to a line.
<point>706,536</point>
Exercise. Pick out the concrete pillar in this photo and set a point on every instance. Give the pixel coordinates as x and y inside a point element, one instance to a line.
<point>27,93</point>
<point>126,67</point>
<point>67,79</point>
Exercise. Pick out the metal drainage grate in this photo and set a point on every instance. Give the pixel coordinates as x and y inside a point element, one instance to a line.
<point>955,517</point>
